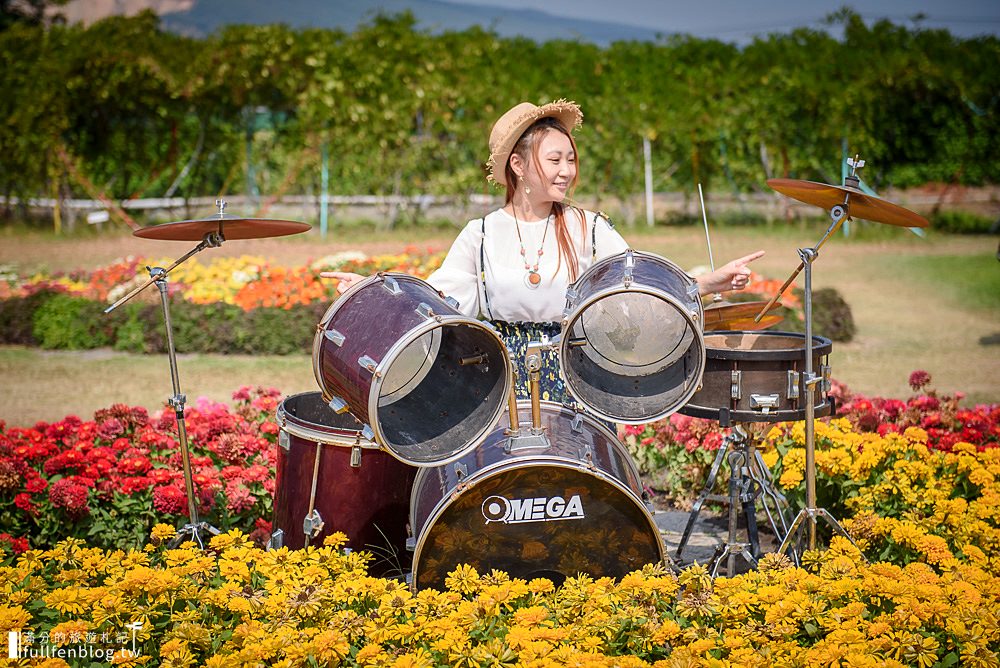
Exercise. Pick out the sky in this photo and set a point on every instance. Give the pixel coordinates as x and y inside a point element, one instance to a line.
<point>738,20</point>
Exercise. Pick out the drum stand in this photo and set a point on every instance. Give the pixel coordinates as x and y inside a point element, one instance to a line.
<point>811,513</point>
<point>195,528</point>
<point>749,480</point>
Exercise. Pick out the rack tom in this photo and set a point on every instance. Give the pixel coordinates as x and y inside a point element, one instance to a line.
<point>757,377</point>
<point>427,382</point>
<point>631,348</point>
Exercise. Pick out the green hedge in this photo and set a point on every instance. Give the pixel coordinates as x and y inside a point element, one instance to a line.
<point>56,320</point>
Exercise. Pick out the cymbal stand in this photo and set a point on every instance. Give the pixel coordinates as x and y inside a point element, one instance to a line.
<point>811,513</point>
<point>195,528</point>
<point>749,480</point>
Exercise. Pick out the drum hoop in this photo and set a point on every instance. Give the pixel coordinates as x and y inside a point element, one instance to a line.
<point>332,311</point>
<point>448,499</point>
<point>295,427</point>
<point>627,460</point>
<point>641,288</point>
<point>821,346</point>
<point>437,322</point>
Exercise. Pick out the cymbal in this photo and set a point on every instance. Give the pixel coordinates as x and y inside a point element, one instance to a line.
<point>720,314</point>
<point>747,324</point>
<point>231,228</point>
<point>860,203</point>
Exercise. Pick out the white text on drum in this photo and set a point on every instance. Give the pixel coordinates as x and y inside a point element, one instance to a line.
<point>516,511</point>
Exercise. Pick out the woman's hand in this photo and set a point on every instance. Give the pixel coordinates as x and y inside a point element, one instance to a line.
<point>345,279</point>
<point>732,276</point>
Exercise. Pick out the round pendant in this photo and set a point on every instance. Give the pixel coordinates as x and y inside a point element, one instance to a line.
<point>532,279</point>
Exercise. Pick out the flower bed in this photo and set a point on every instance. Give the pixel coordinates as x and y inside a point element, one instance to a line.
<point>227,305</point>
<point>78,500</point>
<point>110,479</point>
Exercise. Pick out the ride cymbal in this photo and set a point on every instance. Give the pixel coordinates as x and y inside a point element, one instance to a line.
<point>230,227</point>
<point>860,203</point>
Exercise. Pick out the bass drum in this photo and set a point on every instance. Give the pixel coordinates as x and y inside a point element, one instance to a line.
<point>552,506</point>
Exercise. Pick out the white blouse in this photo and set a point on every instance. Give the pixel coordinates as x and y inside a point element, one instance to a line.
<point>509,297</point>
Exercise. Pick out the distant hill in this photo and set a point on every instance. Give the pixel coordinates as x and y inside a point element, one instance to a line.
<point>206,16</point>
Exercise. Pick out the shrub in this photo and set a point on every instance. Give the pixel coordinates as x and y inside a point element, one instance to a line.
<point>17,317</point>
<point>832,316</point>
<point>963,222</point>
<point>73,323</point>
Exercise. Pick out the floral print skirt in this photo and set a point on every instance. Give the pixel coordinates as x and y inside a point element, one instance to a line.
<point>517,336</point>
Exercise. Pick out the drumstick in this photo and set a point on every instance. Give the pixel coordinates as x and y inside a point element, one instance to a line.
<point>717,297</point>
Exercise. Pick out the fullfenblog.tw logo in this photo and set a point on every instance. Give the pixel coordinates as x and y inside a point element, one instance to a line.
<point>542,509</point>
<point>90,645</point>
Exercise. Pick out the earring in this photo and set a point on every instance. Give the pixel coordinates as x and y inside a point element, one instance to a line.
<point>527,190</point>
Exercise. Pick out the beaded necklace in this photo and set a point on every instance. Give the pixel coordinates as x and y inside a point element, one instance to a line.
<point>532,279</point>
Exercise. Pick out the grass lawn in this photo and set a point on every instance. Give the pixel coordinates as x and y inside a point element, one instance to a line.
<point>931,304</point>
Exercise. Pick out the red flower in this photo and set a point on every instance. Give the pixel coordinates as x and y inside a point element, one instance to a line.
<point>24,502</point>
<point>69,495</point>
<point>18,545</point>
<point>110,429</point>
<point>132,485</point>
<point>35,485</point>
<point>134,465</point>
<point>271,428</point>
<point>919,380</point>
<point>170,499</point>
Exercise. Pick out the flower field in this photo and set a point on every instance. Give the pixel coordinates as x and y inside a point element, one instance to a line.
<point>87,508</point>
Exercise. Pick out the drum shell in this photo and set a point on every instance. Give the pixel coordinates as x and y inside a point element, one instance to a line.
<point>369,503</point>
<point>580,450</point>
<point>378,322</point>
<point>647,393</point>
<point>764,361</point>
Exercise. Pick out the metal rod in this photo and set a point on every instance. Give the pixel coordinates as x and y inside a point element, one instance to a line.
<point>808,255</point>
<point>211,240</point>
<point>178,399</point>
<point>798,269</point>
<point>515,419</point>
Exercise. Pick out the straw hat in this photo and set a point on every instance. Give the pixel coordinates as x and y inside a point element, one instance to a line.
<point>509,128</point>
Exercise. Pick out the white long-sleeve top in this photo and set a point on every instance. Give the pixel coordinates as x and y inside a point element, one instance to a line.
<point>509,297</point>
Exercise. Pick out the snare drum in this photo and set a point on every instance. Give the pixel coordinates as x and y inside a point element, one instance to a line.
<point>330,478</point>
<point>631,348</point>
<point>556,505</point>
<point>757,377</point>
<point>428,382</point>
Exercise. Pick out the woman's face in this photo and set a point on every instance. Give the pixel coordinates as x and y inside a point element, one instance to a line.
<point>555,171</point>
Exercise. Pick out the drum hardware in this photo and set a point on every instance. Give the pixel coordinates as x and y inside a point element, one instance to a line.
<point>749,480</point>
<point>842,202</point>
<point>338,405</point>
<point>210,233</point>
<point>335,337</point>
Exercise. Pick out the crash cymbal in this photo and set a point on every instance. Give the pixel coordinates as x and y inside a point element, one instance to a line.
<point>745,324</point>
<point>230,227</point>
<point>722,313</point>
<point>860,204</point>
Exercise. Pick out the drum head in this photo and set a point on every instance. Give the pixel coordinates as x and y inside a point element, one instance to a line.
<point>538,517</point>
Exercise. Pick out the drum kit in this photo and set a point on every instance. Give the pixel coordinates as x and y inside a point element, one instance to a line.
<point>417,449</point>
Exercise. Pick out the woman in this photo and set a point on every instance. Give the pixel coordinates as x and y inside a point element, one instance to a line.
<point>512,267</point>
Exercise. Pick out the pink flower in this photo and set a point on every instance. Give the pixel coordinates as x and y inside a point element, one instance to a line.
<point>70,495</point>
<point>238,497</point>
<point>919,379</point>
<point>170,499</point>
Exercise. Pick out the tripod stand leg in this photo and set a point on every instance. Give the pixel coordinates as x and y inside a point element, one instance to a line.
<point>713,474</point>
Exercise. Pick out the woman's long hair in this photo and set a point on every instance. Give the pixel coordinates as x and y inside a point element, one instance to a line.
<point>527,145</point>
